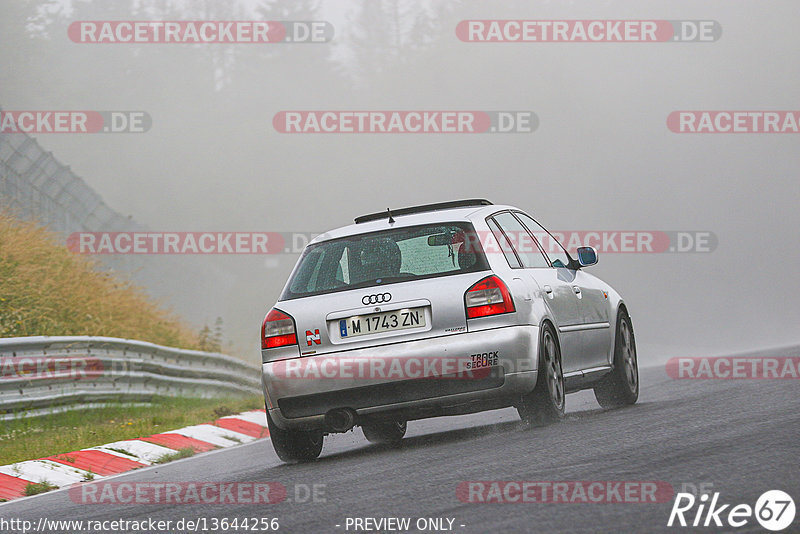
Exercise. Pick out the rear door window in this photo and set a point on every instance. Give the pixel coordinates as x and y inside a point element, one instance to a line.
<point>558,256</point>
<point>523,243</point>
<point>504,244</point>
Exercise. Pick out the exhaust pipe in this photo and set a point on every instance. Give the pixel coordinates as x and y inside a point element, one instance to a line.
<point>341,419</point>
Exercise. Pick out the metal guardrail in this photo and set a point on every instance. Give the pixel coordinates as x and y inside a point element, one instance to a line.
<point>44,373</point>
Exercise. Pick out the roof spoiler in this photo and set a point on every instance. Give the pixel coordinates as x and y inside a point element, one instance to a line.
<point>390,214</point>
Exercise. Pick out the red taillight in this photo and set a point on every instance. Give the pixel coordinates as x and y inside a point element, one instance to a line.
<point>277,330</point>
<point>490,296</point>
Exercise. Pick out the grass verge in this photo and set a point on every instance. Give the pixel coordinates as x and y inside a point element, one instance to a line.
<point>185,452</point>
<point>36,437</point>
<point>47,290</point>
<point>35,488</point>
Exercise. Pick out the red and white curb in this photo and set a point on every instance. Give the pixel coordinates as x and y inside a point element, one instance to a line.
<point>113,458</point>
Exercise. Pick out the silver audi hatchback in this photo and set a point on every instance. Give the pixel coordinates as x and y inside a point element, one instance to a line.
<point>434,310</point>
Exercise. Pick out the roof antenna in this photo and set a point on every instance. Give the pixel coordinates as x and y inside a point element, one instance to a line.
<point>391,219</point>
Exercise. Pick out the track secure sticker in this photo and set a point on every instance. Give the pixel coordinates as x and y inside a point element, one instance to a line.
<point>483,359</point>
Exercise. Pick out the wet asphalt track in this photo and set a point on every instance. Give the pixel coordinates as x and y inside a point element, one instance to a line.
<point>741,436</point>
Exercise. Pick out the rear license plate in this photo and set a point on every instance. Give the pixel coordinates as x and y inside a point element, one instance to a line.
<point>360,325</point>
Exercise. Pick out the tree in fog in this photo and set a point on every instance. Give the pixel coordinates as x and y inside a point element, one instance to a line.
<point>382,35</point>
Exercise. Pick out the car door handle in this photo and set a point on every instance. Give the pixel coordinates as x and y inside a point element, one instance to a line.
<point>577,290</point>
<point>549,291</point>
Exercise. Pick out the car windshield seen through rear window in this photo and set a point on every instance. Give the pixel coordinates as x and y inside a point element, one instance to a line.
<point>385,257</point>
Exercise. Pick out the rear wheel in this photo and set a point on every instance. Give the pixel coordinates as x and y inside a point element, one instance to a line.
<point>545,404</point>
<point>294,445</point>
<point>391,432</point>
<point>621,386</point>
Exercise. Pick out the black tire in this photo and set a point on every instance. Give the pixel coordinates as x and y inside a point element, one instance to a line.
<point>294,445</point>
<point>390,433</point>
<point>545,404</point>
<point>621,386</point>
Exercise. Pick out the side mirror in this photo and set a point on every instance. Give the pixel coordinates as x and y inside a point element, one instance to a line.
<point>587,256</point>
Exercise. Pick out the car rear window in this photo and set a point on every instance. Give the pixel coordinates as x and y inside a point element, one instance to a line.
<point>386,257</point>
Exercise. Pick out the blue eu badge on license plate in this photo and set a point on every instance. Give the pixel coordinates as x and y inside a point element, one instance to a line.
<point>343,328</point>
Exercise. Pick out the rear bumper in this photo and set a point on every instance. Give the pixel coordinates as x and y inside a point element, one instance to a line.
<point>299,392</point>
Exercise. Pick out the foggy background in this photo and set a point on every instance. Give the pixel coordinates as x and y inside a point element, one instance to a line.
<point>602,157</point>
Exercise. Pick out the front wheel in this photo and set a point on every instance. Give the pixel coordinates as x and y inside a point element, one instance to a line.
<point>390,433</point>
<point>294,445</point>
<point>545,404</point>
<point>621,386</point>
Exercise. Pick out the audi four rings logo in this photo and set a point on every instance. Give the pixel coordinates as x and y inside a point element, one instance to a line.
<point>376,299</point>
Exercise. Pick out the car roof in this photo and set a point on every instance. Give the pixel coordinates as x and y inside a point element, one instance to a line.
<point>468,214</point>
